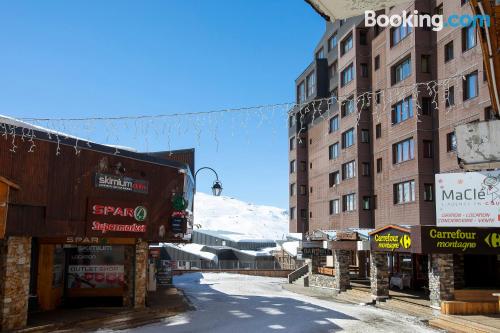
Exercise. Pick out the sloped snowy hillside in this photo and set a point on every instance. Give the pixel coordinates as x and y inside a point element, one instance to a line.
<point>229,214</point>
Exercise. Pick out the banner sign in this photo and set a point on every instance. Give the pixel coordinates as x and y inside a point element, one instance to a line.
<point>457,240</point>
<point>390,239</point>
<point>178,223</point>
<point>111,218</point>
<point>469,199</point>
<point>96,267</point>
<point>310,252</point>
<point>127,184</point>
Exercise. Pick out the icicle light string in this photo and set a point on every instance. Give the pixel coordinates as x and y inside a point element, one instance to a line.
<point>378,102</point>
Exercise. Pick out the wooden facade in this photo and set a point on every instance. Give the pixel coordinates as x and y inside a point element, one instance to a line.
<point>55,187</point>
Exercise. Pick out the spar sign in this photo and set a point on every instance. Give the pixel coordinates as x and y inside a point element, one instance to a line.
<point>469,199</point>
<point>112,218</point>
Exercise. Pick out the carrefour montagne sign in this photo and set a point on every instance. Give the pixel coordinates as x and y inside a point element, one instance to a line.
<point>469,199</point>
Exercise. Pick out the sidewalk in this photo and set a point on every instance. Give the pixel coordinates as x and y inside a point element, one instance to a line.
<point>458,324</point>
<point>162,303</point>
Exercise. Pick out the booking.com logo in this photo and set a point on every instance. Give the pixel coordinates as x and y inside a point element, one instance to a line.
<point>413,19</point>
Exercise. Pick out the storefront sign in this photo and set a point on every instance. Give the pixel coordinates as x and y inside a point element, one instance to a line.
<point>92,267</point>
<point>469,199</point>
<point>178,222</point>
<point>310,252</point>
<point>111,218</point>
<point>391,239</point>
<point>118,183</point>
<point>164,273</point>
<point>431,239</point>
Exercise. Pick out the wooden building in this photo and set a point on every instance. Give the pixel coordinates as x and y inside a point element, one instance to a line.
<point>76,219</point>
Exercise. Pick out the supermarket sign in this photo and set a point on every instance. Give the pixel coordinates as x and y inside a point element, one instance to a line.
<point>469,199</point>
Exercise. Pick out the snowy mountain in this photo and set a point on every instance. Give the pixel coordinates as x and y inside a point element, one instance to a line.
<point>229,214</point>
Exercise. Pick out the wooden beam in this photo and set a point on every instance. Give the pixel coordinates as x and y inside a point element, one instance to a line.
<point>9,183</point>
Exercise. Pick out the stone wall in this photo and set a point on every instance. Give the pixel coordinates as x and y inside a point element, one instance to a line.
<point>441,279</point>
<point>321,281</point>
<point>141,264</point>
<point>15,261</point>
<point>128,271</point>
<point>379,275</point>
<point>342,259</point>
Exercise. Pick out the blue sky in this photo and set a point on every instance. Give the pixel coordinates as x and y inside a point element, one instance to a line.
<point>116,57</point>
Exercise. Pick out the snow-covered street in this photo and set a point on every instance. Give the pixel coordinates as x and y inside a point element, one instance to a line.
<point>238,303</point>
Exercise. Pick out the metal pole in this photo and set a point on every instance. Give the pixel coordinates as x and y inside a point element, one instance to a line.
<point>204,168</point>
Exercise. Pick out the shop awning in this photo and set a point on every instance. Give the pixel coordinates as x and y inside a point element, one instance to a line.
<point>391,238</point>
<point>341,9</point>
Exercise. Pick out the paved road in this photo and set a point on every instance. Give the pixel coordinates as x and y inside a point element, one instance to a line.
<point>228,303</point>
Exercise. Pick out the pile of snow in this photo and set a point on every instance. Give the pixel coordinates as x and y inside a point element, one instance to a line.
<point>229,214</point>
<point>291,247</point>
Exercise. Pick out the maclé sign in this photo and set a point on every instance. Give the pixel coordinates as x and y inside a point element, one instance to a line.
<point>469,199</point>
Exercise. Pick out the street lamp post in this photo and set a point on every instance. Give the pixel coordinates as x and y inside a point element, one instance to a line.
<point>216,187</point>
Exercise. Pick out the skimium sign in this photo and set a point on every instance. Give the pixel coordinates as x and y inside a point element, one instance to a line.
<point>469,199</point>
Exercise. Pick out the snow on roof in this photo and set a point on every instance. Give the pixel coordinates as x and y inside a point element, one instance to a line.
<point>229,214</point>
<point>291,247</point>
<point>266,252</point>
<point>192,248</point>
<point>295,235</point>
<point>234,236</point>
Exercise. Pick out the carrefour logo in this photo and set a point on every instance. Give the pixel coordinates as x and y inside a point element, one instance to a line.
<point>140,213</point>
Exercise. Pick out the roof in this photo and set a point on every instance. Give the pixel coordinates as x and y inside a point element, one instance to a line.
<point>19,127</point>
<point>402,228</point>
<point>234,236</point>
<point>363,233</point>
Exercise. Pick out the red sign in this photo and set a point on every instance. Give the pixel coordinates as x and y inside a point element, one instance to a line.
<point>109,218</point>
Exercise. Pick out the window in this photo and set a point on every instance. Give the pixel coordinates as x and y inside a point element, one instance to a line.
<point>364,70</point>
<point>292,190</point>
<point>334,124</point>
<point>378,95</point>
<point>449,96</point>
<point>425,63</point>
<point>292,143</point>
<point>292,213</point>
<point>363,37</point>
<point>302,190</point>
<point>292,166</point>
<point>346,45</point>
<point>403,151</point>
<point>347,107</point>
<point>291,121</point>
<point>310,214</point>
<point>311,84</point>
<point>470,86</point>
<point>334,178</point>
<point>320,54</point>
<point>348,138</point>
<point>428,192</point>
<point>334,94</point>
<point>379,165</point>
<point>468,37</point>
<point>303,166</point>
<point>401,71</point>
<point>375,202</point>
<point>365,169</point>
<point>489,114</point>
<point>428,149</point>
<point>365,136</point>
<point>378,131</point>
<point>333,151</point>
<point>448,51</point>
<point>311,189</point>
<point>332,42</point>
<point>451,142</point>
<point>301,92</point>
<point>366,203</point>
<point>348,170</point>
<point>334,207</point>
<point>404,192</point>
<point>347,75</point>
<point>402,110</point>
<point>303,213</point>
<point>399,33</point>
<point>310,165</point>
<point>426,106</point>
<point>377,62</point>
<point>349,202</point>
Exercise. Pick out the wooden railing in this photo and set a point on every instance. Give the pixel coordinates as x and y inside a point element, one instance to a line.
<point>298,273</point>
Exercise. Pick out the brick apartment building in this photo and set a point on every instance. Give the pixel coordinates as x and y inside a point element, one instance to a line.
<point>377,171</point>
